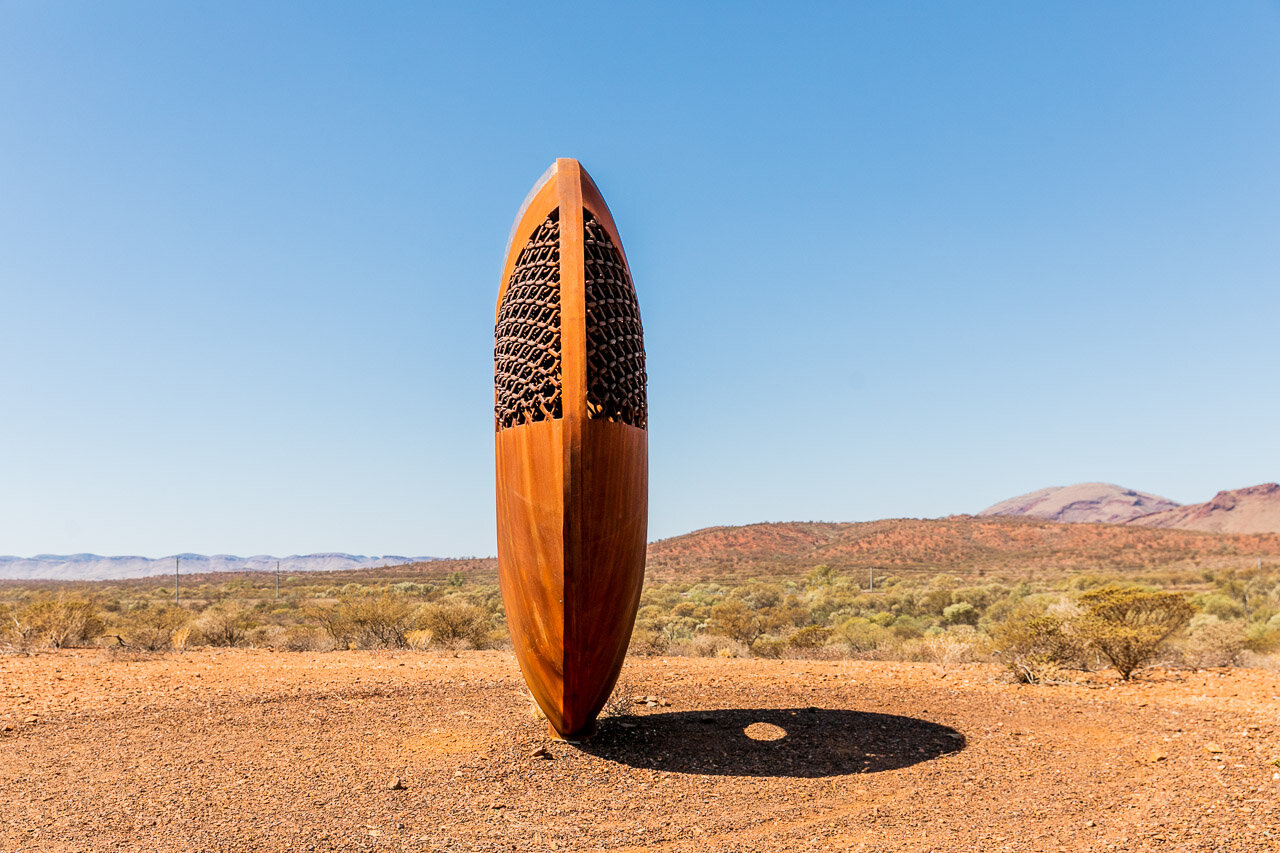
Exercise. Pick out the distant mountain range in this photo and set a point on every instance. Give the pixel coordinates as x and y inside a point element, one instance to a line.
<point>94,567</point>
<point>1255,509</point>
<point>1032,536</point>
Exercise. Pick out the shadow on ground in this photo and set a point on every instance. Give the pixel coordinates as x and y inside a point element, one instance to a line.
<point>797,742</point>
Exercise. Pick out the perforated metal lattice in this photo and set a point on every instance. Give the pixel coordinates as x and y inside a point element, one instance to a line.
<point>616,379</point>
<point>526,351</point>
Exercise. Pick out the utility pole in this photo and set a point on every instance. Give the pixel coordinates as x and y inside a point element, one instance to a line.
<point>277,578</point>
<point>871,578</point>
<point>176,560</point>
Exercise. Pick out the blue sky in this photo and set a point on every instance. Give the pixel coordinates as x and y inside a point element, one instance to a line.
<point>893,259</point>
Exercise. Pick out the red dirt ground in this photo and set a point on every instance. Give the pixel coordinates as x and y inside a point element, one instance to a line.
<point>256,750</point>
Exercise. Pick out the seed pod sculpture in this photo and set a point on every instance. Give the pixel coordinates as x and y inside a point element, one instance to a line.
<point>572,448</point>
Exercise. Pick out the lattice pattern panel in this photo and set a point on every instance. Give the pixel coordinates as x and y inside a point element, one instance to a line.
<point>526,351</point>
<point>616,378</point>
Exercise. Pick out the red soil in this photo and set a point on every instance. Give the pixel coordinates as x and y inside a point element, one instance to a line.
<point>255,750</point>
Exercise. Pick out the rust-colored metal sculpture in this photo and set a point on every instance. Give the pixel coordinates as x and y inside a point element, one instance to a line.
<point>572,447</point>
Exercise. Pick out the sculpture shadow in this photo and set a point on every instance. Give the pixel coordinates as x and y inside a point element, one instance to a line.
<point>808,742</point>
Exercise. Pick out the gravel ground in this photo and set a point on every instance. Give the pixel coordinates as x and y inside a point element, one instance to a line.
<point>255,750</point>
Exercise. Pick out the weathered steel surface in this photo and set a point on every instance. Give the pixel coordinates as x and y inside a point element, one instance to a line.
<point>571,418</point>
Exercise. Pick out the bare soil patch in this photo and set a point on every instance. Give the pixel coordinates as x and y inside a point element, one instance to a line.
<point>252,750</point>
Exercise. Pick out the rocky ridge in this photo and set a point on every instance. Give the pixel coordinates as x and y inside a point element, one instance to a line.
<point>1255,509</point>
<point>1083,503</point>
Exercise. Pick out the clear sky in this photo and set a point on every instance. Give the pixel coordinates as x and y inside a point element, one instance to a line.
<point>893,259</point>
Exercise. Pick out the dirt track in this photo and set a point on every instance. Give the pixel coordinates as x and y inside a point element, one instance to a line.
<point>246,750</point>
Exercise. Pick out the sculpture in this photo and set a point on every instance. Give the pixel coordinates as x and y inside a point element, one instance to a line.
<point>571,446</point>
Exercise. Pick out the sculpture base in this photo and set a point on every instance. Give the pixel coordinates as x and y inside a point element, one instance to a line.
<point>577,737</point>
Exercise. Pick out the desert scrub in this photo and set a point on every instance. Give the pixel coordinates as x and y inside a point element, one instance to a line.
<point>710,646</point>
<point>948,650</point>
<point>647,642</point>
<point>364,619</point>
<point>419,639</point>
<point>1264,637</point>
<point>736,621</point>
<point>302,638</point>
<point>224,624</point>
<point>59,622</point>
<point>149,627</point>
<point>768,647</point>
<point>863,637</point>
<point>8,622</point>
<point>455,624</point>
<point>1212,642</point>
<point>810,637</point>
<point>961,613</point>
<point>1128,625</point>
<point>1035,646</point>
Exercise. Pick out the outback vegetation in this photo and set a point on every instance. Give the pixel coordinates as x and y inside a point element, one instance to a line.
<point>1041,626</point>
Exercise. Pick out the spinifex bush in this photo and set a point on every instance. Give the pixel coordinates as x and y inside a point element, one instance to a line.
<point>1128,625</point>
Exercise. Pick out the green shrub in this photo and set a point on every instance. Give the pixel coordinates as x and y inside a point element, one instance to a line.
<point>884,618</point>
<point>1222,606</point>
<point>1128,625</point>
<point>960,613</point>
<point>936,601</point>
<point>908,627</point>
<point>863,636</point>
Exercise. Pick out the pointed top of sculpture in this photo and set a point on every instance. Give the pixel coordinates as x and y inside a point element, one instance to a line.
<point>561,163</point>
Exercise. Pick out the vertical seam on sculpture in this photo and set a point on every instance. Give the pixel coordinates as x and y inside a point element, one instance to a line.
<point>573,390</point>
